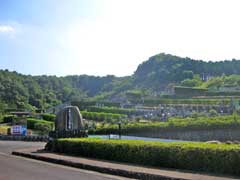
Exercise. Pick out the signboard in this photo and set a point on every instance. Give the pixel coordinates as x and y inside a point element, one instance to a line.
<point>113,136</point>
<point>19,130</point>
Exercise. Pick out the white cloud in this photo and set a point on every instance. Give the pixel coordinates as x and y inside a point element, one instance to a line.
<point>6,29</point>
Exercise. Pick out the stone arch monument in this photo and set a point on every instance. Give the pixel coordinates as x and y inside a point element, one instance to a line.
<point>69,123</point>
<point>69,118</point>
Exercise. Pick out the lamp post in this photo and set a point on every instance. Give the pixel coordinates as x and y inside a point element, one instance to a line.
<point>120,129</point>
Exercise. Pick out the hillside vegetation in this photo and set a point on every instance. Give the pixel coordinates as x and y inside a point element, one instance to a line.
<point>157,73</point>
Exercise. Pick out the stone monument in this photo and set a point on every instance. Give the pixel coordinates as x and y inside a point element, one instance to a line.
<point>69,123</point>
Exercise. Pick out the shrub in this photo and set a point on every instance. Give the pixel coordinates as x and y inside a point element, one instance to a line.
<point>44,128</point>
<point>176,124</point>
<point>188,91</point>
<point>192,156</point>
<point>201,101</point>
<point>4,129</point>
<point>49,117</point>
<point>113,110</point>
<point>82,105</point>
<point>100,116</point>
<point>8,118</point>
<point>213,113</point>
<point>31,123</point>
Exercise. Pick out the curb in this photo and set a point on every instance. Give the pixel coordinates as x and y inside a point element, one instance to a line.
<point>24,138</point>
<point>117,172</point>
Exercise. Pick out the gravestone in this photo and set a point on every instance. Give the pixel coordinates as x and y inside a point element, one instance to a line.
<point>69,123</point>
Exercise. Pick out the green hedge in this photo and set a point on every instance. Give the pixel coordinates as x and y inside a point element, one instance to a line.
<point>48,117</point>
<point>174,124</point>
<point>191,156</point>
<point>8,118</point>
<point>113,110</point>
<point>189,91</point>
<point>31,123</point>
<point>210,93</point>
<point>100,116</point>
<point>175,101</point>
<point>82,105</point>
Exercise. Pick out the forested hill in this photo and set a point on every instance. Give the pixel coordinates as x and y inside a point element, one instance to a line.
<point>163,68</point>
<point>25,91</point>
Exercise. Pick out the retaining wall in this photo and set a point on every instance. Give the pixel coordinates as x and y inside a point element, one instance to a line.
<point>194,135</point>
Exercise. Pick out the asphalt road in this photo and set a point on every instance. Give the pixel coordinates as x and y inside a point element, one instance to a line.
<point>19,168</point>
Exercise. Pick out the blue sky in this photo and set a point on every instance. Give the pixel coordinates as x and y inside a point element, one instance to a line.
<point>100,37</point>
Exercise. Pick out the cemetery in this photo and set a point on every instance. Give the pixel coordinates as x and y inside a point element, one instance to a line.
<point>181,141</point>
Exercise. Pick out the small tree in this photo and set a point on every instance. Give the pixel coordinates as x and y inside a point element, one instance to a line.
<point>213,113</point>
<point>44,128</point>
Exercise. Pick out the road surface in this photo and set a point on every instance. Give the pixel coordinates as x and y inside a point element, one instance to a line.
<point>19,168</point>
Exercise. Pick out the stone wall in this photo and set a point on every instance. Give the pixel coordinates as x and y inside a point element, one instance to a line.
<point>194,135</point>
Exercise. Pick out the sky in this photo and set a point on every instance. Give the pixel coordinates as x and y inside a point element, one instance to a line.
<point>101,37</point>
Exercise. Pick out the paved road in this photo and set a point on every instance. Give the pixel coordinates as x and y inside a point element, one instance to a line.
<point>18,168</point>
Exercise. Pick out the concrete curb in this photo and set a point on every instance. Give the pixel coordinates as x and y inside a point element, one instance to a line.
<point>24,138</point>
<point>112,171</point>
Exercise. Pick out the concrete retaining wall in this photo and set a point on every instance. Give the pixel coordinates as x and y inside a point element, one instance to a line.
<point>194,135</point>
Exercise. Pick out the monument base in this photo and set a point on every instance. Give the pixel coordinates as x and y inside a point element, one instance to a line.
<point>68,134</point>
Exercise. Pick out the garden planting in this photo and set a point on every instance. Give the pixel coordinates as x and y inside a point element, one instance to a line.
<point>173,124</point>
<point>216,158</point>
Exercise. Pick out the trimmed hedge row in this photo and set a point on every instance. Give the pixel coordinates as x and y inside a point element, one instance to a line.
<point>189,91</point>
<point>199,101</point>
<point>31,122</point>
<point>84,104</point>
<point>210,93</point>
<point>113,110</point>
<point>191,156</point>
<point>174,124</point>
<point>100,116</point>
<point>49,117</point>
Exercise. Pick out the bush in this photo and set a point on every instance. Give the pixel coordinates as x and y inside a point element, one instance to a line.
<point>100,116</point>
<point>8,118</point>
<point>31,123</point>
<point>82,105</point>
<point>4,129</point>
<point>45,128</point>
<point>213,113</point>
<point>113,110</point>
<point>191,156</point>
<point>176,124</point>
<point>188,91</point>
<point>49,117</point>
<point>200,101</point>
